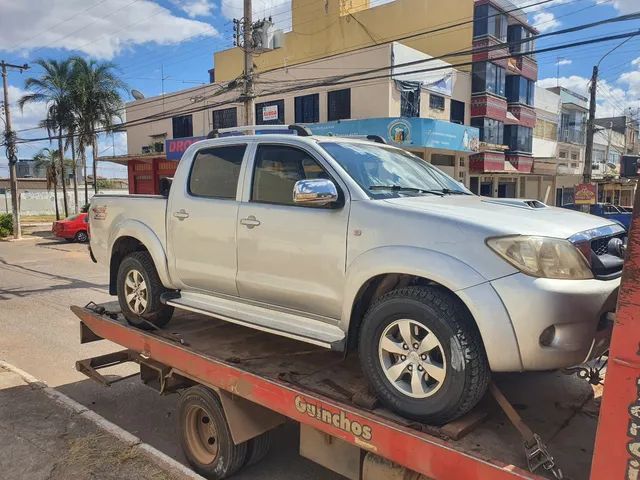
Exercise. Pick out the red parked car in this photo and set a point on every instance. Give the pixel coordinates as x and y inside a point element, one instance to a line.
<point>73,228</point>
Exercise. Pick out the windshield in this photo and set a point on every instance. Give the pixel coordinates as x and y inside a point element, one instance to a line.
<point>385,172</point>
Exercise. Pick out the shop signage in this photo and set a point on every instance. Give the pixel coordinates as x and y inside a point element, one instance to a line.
<point>175,147</point>
<point>586,194</point>
<point>270,113</point>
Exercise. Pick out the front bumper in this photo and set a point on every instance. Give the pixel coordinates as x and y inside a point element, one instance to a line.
<point>572,314</point>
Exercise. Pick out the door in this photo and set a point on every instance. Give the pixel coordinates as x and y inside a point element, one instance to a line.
<point>202,221</point>
<point>289,255</point>
<point>457,112</point>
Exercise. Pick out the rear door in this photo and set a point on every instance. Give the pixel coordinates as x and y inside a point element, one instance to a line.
<point>289,255</point>
<point>202,218</point>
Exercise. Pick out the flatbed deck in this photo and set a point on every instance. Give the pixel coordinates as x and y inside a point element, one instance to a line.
<point>322,389</point>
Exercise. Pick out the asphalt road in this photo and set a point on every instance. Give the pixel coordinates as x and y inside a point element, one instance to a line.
<point>39,279</point>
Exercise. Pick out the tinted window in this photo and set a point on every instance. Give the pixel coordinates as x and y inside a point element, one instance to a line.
<point>308,108</point>
<point>270,113</point>
<point>277,169</point>
<point>436,102</point>
<point>225,118</point>
<point>339,104</point>
<point>488,77</point>
<point>182,126</point>
<point>215,172</point>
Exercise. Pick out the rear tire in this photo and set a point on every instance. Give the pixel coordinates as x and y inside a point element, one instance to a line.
<point>81,237</point>
<point>139,290</point>
<point>205,436</point>
<point>257,448</point>
<point>422,354</point>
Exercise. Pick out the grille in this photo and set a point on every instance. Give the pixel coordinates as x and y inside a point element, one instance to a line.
<point>599,245</point>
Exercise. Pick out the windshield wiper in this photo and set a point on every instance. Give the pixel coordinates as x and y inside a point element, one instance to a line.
<point>400,188</point>
<point>448,191</point>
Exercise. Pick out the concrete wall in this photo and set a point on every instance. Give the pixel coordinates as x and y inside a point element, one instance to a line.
<point>41,202</point>
<point>320,28</point>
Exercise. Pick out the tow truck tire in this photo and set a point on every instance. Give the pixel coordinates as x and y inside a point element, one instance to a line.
<point>423,355</point>
<point>257,448</point>
<point>205,436</point>
<point>137,268</point>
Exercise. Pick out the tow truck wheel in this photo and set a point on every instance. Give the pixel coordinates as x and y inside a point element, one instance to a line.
<point>139,290</point>
<point>422,354</point>
<point>257,448</point>
<point>205,436</point>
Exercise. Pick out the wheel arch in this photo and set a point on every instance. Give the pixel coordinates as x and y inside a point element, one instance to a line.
<point>379,271</point>
<point>133,236</point>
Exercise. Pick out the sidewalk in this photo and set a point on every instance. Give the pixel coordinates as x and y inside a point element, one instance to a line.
<point>40,438</point>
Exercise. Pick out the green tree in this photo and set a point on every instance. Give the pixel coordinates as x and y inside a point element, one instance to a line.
<point>49,160</point>
<point>97,104</point>
<point>53,87</point>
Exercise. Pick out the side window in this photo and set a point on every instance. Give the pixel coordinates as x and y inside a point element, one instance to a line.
<point>215,172</point>
<point>277,168</point>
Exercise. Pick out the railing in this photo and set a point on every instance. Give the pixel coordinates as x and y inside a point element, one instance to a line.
<point>571,136</point>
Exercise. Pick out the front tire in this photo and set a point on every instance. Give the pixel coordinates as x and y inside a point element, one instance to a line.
<point>422,354</point>
<point>139,290</point>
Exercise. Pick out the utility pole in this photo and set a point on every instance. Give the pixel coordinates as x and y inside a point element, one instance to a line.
<point>248,94</point>
<point>591,123</point>
<point>10,142</point>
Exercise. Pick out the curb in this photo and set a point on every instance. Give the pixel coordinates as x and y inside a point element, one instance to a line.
<point>118,432</point>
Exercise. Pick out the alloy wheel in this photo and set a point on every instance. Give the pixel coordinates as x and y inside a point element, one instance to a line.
<point>135,291</point>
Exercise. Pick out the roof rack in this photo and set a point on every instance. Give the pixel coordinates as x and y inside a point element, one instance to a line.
<point>300,130</point>
<point>372,138</point>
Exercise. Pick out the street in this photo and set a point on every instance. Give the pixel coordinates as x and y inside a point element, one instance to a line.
<point>39,279</point>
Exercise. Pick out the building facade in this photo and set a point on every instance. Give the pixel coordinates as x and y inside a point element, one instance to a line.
<point>502,102</point>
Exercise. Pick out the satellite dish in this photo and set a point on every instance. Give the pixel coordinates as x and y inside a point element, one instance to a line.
<point>137,94</point>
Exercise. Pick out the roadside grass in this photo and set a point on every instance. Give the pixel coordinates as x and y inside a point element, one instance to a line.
<point>37,218</point>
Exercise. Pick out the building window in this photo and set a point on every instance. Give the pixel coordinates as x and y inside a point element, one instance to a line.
<point>225,118</point>
<point>563,154</point>
<point>182,126</point>
<point>270,113</point>
<point>574,156</point>
<point>339,104</point>
<point>520,90</point>
<point>488,77</point>
<point>517,36</point>
<point>436,102</point>
<point>457,112</point>
<point>490,21</point>
<point>307,108</point>
<point>491,131</point>
<point>573,126</point>
<point>440,160</point>
<point>518,138</point>
<point>215,172</point>
<point>410,101</point>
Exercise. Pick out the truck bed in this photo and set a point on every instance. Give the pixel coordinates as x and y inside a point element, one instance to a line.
<point>561,408</point>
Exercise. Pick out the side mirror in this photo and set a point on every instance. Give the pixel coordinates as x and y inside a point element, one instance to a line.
<point>165,186</point>
<point>318,192</point>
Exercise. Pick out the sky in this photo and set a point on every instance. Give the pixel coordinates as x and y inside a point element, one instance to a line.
<point>168,45</point>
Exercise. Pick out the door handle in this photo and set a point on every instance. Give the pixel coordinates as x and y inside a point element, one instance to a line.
<point>250,222</point>
<point>181,214</point>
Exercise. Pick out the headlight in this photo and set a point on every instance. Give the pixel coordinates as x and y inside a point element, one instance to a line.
<point>542,257</point>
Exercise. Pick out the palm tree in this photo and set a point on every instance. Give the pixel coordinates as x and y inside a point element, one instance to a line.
<point>97,103</point>
<point>48,159</point>
<point>53,87</point>
<point>70,142</point>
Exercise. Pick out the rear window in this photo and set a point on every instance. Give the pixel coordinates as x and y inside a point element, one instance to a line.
<point>215,172</point>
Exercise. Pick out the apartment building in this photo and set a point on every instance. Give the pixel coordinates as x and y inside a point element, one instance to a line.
<point>502,102</point>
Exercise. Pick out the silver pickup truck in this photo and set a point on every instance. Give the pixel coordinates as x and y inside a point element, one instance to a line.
<point>354,245</point>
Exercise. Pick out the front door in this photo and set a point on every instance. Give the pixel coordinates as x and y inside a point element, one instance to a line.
<point>289,255</point>
<point>202,221</point>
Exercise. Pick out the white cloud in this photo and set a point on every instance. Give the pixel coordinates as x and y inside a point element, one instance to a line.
<point>611,100</point>
<point>535,7</point>
<point>101,31</point>
<point>195,8</point>
<point>545,21</point>
<point>564,61</point>
<point>627,6</point>
<point>28,117</point>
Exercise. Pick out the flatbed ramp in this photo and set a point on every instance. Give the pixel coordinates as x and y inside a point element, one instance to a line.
<point>324,391</point>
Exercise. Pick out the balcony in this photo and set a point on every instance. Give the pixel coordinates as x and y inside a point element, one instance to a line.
<point>487,162</point>
<point>487,105</point>
<point>571,136</point>
<point>522,163</point>
<point>526,115</point>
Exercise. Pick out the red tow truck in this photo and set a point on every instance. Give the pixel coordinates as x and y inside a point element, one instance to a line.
<point>237,384</point>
